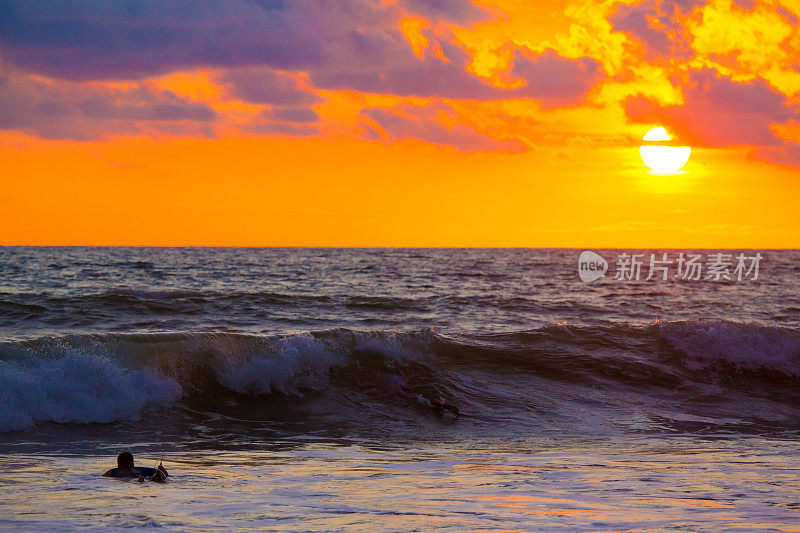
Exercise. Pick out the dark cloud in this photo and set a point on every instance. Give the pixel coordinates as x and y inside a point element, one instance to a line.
<point>745,4</point>
<point>102,39</point>
<point>786,153</point>
<point>792,18</point>
<point>67,110</point>
<point>267,87</point>
<point>636,22</point>
<point>281,128</point>
<point>286,120</point>
<point>658,26</point>
<point>292,114</point>
<point>128,39</point>
<point>261,49</point>
<point>428,76</point>
<point>720,112</point>
<point>344,44</point>
<point>422,123</point>
<point>552,79</point>
<point>461,11</point>
<point>163,106</point>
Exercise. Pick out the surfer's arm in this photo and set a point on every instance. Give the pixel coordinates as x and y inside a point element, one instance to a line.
<point>442,405</point>
<point>110,473</point>
<point>452,408</point>
<point>160,475</point>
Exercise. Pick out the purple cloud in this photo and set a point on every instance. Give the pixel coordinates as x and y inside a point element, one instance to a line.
<point>67,110</point>
<point>787,153</point>
<point>287,120</point>
<point>656,24</point>
<point>259,47</point>
<point>267,87</point>
<point>119,39</point>
<point>343,43</point>
<point>292,114</point>
<point>281,128</point>
<point>420,122</point>
<point>460,11</point>
<point>113,39</point>
<point>720,112</point>
<point>552,79</point>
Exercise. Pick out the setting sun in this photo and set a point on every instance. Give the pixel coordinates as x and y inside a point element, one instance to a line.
<point>661,158</point>
<point>400,265</point>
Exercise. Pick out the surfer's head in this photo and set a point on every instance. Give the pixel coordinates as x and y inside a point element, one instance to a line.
<point>125,460</point>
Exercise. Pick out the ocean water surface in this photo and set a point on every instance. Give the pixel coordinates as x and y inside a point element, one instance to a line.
<point>295,390</point>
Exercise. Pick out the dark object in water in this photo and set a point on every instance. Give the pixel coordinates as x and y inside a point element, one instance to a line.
<point>126,470</point>
<point>441,406</point>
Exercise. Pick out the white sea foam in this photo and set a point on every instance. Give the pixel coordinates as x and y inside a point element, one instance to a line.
<point>70,385</point>
<point>294,364</point>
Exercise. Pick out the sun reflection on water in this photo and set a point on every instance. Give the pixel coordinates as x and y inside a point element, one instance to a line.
<point>321,487</point>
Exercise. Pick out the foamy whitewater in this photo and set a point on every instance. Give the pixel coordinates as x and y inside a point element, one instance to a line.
<point>291,389</point>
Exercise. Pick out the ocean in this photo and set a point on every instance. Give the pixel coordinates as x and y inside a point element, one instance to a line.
<point>301,389</point>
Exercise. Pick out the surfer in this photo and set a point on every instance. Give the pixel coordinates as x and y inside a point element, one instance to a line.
<point>439,405</point>
<point>125,469</point>
<point>442,406</point>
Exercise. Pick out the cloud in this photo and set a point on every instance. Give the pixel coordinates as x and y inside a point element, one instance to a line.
<point>787,154</point>
<point>265,52</point>
<point>267,87</point>
<point>657,25</point>
<point>284,120</point>
<point>292,114</point>
<point>437,124</point>
<point>281,128</point>
<point>353,44</point>
<point>752,37</point>
<point>116,39</point>
<point>547,77</point>
<point>554,80</point>
<point>71,110</point>
<point>120,39</point>
<point>460,11</point>
<point>68,110</point>
<point>718,111</point>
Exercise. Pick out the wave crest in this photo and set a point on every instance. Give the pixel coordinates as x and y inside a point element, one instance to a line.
<point>556,369</point>
<point>746,346</point>
<point>64,384</point>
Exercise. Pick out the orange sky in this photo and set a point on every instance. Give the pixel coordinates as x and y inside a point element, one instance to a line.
<point>508,124</point>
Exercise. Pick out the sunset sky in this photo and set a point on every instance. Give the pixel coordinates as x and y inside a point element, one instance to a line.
<point>398,123</point>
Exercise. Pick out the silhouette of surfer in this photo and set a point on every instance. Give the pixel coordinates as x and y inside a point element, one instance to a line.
<point>437,404</point>
<point>126,470</point>
<point>442,406</point>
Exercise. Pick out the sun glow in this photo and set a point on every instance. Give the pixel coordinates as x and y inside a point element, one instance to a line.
<point>660,158</point>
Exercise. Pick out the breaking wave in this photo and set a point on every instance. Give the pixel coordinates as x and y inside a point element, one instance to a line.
<point>666,373</point>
